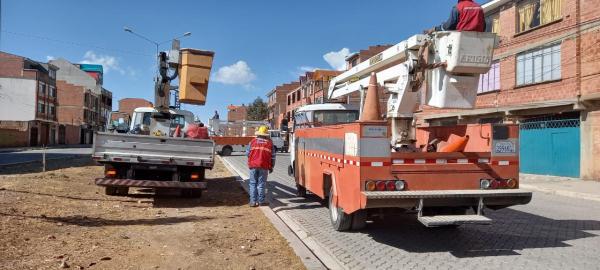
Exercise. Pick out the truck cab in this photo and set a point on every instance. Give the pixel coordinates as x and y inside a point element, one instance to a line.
<point>143,121</point>
<point>318,115</point>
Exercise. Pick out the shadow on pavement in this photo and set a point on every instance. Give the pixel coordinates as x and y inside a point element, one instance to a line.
<point>85,221</point>
<point>511,231</point>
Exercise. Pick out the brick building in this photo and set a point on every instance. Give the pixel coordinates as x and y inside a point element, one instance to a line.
<point>28,102</point>
<point>544,77</point>
<point>277,103</point>
<point>84,104</point>
<point>127,105</point>
<point>237,113</point>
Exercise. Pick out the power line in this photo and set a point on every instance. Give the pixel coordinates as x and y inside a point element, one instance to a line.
<point>78,44</point>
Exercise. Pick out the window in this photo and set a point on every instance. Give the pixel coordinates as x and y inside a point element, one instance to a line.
<point>52,74</point>
<point>323,118</point>
<point>52,110</point>
<point>42,89</point>
<point>539,65</point>
<point>490,81</point>
<point>493,23</point>
<point>41,107</point>
<point>178,120</point>
<point>51,91</point>
<point>289,100</point>
<point>534,13</point>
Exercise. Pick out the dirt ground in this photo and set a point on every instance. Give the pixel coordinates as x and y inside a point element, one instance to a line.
<point>60,219</point>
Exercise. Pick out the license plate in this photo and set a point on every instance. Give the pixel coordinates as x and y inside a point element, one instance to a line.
<point>504,147</point>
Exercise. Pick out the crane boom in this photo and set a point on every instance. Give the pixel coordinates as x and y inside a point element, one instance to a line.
<point>449,62</point>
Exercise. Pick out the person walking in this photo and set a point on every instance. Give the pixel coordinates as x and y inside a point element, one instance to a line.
<point>261,160</point>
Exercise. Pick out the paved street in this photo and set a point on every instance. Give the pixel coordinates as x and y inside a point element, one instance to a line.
<point>552,232</point>
<point>36,155</point>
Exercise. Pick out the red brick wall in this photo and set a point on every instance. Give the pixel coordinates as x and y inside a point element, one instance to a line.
<point>11,65</point>
<point>72,134</point>
<point>70,100</point>
<point>127,105</point>
<point>512,43</point>
<point>13,138</point>
<point>237,113</point>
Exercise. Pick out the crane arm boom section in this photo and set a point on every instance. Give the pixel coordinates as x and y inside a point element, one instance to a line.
<point>357,77</point>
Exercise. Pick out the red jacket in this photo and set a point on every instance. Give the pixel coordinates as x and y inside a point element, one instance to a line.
<point>466,16</point>
<point>260,154</point>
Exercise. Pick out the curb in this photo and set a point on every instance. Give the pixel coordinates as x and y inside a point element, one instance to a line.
<point>565,193</point>
<point>312,255</point>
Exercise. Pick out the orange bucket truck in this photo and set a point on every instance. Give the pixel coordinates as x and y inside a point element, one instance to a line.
<point>363,164</point>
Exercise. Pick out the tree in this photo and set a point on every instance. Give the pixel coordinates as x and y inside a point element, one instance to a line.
<point>258,110</point>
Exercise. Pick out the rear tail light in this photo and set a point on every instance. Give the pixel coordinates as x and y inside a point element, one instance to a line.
<point>112,173</point>
<point>400,185</point>
<point>370,186</point>
<point>495,184</point>
<point>195,176</point>
<point>380,185</point>
<point>485,183</point>
<point>390,185</point>
<point>383,185</point>
<point>511,183</point>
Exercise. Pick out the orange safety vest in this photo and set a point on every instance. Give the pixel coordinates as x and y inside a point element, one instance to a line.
<point>261,152</point>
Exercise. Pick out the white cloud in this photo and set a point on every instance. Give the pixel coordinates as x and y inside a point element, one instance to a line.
<point>108,62</point>
<point>301,70</point>
<point>337,60</point>
<point>49,58</point>
<point>237,74</point>
<point>307,68</point>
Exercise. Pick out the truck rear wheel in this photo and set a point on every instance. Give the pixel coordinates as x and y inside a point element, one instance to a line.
<point>110,191</point>
<point>226,151</point>
<point>339,220</point>
<point>191,193</point>
<point>300,191</point>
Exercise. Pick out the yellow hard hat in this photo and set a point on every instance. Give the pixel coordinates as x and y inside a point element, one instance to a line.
<point>262,131</point>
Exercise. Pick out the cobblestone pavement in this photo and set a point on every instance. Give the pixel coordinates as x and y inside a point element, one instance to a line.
<point>552,232</point>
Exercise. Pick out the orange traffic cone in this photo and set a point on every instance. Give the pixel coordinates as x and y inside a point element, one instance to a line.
<point>177,132</point>
<point>370,111</point>
<point>456,146</point>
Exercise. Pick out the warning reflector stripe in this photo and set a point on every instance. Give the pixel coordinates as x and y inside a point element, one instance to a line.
<point>453,161</point>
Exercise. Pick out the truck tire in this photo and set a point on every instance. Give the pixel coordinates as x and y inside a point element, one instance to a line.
<point>110,191</point>
<point>122,191</point>
<point>359,220</point>
<point>300,191</point>
<point>226,151</point>
<point>191,193</point>
<point>339,220</point>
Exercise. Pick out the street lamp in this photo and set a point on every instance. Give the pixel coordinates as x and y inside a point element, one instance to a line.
<point>157,44</point>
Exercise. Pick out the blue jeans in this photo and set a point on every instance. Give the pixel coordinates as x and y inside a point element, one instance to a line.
<point>257,184</point>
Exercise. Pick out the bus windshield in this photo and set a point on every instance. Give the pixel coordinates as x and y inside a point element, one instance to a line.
<point>326,118</point>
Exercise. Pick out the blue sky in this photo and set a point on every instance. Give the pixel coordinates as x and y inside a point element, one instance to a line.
<point>258,44</point>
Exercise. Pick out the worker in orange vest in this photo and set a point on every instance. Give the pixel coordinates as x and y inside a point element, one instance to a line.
<point>261,160</point>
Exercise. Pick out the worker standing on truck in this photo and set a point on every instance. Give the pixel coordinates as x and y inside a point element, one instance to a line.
<point>261,160</point>
<point>465,16</point>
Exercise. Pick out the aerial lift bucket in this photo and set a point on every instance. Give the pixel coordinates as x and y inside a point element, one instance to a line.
<point>194,74</point>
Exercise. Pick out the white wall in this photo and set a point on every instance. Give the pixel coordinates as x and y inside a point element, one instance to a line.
<point>17,99</point>
<point>73,75</point>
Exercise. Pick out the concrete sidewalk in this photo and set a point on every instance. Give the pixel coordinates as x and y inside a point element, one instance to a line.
<point>563,186</point>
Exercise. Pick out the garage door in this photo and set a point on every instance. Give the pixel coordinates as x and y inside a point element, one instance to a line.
<point>550,147</point>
